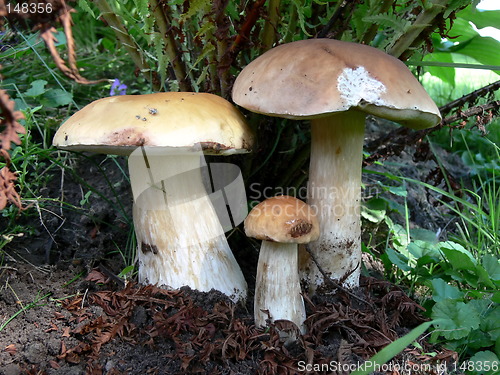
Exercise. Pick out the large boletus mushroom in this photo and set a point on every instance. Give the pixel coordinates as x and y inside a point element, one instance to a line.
<point>180,238</point>
<point>281,223</point>
<point>334,84</point>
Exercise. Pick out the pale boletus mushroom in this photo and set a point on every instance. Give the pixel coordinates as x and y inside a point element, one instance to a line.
<point>281,223</point>
<point>180,238</point>
<point>334,84</point>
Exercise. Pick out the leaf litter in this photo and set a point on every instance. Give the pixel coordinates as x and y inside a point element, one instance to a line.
<point>205,333</point>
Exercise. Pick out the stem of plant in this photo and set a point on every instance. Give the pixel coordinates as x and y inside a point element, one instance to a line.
<point>170,46</point>
<point>268,36</point>
<point>27,307</point>
<point>423,21</point>
<point>126,40</point>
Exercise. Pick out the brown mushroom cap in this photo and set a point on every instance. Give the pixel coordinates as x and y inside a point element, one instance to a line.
<point>317,77</point>
<point>119,124</point>
<point>282,219</point>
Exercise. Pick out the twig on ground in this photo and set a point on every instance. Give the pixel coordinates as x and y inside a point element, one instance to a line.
<point>333,283</point>
<point>395,142</point>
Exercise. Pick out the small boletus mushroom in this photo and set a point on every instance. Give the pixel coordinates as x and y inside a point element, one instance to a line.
<point>180,239</point>
<point>335,85</point>
<point>281,223</point>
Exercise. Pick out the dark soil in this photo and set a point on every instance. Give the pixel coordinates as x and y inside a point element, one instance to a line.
<point>63,310</point>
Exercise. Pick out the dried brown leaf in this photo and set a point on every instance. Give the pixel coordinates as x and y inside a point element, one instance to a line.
<point>66,332</point>
<point>11,349</point>
<point>8,191</point>
<point>47,34</point>
<point>97,277</point>
<point>11,128</point>
<point>54,364</point>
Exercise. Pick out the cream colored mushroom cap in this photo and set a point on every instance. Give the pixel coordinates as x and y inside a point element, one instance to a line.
<point>318,77</point>
<point>282,219</point>
<point>120,124</point>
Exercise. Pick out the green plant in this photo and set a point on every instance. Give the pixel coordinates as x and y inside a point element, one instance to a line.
<point>391,350</point>
<point>457,280</point>
<point>34,304</point>
<point>36,165</point>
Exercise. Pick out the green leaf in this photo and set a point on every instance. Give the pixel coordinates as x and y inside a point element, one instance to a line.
<point>398,259</point>
<point>479,340</point>
<point>398,190</point>
<point>453,5</point>
<point>492,265</point>
<point>84,5</point>
<point>446,74</point>
<point>399,236</point>
<point>483,49</point>
<point>390,21</point>
<point>60,38</point>
<point>483,276</point>
<point>420,249</point>
<point>127,270</point>
<point>374,210</point>
<point>483,363</point>
<point>457,319</point>
<point>37,88</point>
<point>21,105</point>
<point>196,7</point>
<point>391,350</point>
<point>481,18</point>
<point>458,256</point>
<point>462,31</point>
<point>441,290</point>
<point>496,297</point>
<point>142,7</point>
<point>491,323</point>
<point>108,44</point>
<point>56,98</point>
<point>207,49</point>
<point>302,10</point>
<point>425,235</point>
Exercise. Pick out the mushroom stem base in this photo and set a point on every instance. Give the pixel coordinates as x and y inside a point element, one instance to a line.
<point>277,288</point>
<point>180,239</point>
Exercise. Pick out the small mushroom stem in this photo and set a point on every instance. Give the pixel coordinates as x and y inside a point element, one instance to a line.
<point>334,192</point>
<point>277,287</point>
<point>180,239</point>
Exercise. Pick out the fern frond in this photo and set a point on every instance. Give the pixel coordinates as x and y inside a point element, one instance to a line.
<point>142,8</point>
<point>206,29</point>
<point>83,4</point>
<point>196,7</point>
<point>143,11</point>
<point>208,48</point>
<point>387,20</point>
<point>303,10</point>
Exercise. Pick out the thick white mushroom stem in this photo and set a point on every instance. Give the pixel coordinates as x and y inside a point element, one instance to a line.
<point>277,287</point>
<point>180,239</point>
<point>334,192</point>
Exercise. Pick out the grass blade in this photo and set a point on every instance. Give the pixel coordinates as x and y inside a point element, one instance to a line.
<point>391,350</point>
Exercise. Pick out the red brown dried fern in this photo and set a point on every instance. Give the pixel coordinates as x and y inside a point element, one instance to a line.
<point>11,130</point>
<point>45,22</point>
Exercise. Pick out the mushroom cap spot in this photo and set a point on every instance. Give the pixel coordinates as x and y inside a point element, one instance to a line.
<point>317,77</point>
<point>282,219</point>
<point>356,85</point>
<point>120,124</point>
